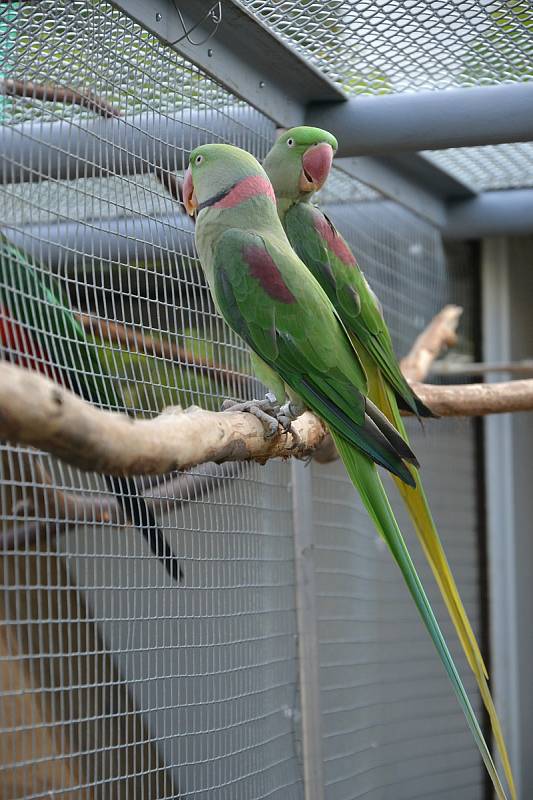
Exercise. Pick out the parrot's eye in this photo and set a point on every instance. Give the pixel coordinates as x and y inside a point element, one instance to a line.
<point>199,158</point>
<point>290,142</point>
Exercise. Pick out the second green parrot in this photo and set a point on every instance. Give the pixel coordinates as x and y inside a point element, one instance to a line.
<point>301,350</point>
<point>298,165</point>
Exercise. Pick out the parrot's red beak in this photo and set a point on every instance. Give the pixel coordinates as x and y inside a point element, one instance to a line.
<point>189,196</point>
<point>316,164</point>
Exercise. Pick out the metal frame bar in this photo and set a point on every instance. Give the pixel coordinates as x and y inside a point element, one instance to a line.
<point>507,334</point>
<point>507,212</point>
<point>120,240</point>
<point>126,146</point>
<point>381,174</point>
<point>247,57</point>
<point>125,239</point>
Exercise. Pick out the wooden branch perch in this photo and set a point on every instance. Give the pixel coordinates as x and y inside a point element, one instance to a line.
<point>477,399</point>
<point>440,333</point>
<point>35,411</point>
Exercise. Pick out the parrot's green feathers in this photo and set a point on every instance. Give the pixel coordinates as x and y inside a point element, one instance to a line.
<point>326,254</point>
<point>328,257</point>
<point>302,341</point>
<point>293,322</point>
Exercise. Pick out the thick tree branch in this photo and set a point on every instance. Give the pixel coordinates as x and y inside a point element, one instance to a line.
<point>35,411</point>
<point>440,333</point>
<point>477,399</point>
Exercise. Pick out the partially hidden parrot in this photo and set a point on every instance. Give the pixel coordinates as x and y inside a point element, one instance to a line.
<point>39,331</point>
<point>298,165</point>
<point>301,350</point>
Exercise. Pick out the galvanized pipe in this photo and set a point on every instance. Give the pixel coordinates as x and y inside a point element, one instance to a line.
<point>436,120</point>
<point>506,212</point>
<point>122,240</point>
<point>62,150</point>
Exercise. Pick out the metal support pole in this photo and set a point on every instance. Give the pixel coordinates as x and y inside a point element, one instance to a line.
<point>118,240</point>
<point>507,212</point>
<point>507,335</point>
<point>307,631</point>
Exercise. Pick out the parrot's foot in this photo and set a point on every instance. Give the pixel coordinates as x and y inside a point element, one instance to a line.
<point>288,413</point>
<point>286,416</point>
<point>266,411</point>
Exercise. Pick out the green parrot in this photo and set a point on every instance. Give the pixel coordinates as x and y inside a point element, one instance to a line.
<point>298,165</point>
<point>301,350</point>
<point>39,331</point>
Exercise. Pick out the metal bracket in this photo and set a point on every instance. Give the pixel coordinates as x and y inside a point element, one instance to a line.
<point>243,55</point>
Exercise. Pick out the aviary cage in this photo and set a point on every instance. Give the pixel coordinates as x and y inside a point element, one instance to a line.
<point>114,681</point>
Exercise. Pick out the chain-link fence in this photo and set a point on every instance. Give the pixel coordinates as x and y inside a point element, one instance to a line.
<point>115,680</point>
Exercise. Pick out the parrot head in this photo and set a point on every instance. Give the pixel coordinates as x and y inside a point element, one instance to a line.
<point>299,162</point>
<point>222,176</point>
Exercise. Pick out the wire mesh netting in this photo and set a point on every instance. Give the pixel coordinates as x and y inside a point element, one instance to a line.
<point>381,46</point>
<point>114,680</point>
<point>388,727</point>
<point>117,682</point>
<point>502,166</point>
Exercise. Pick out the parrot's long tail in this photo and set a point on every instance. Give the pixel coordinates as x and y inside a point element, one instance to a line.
<point>137,512</point>
<point>419,511</point>
<point>366,480</point>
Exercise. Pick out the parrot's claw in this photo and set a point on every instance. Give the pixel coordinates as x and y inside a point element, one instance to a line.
<point>266,411</point>
<point>286,416</point>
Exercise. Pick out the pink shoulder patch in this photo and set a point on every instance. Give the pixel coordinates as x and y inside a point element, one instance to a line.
<point>263,267</point>
<point>245,189</point>
<point>334,241</point>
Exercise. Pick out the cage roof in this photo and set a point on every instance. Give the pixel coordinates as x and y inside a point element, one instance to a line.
<point>503,166</point>
<point>382,46</point>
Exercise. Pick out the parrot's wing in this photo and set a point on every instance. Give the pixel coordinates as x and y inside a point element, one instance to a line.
<point>40,329</point>
<point>34,302</point>
<point>285,317</point>
<point>325,252</point>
